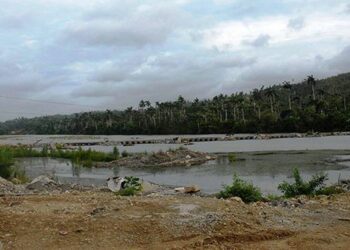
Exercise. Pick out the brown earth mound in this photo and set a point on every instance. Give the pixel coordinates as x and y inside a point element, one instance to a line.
<point>171,158</point>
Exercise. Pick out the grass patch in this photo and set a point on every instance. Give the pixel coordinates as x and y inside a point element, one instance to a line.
<point>273,197</point>
<point>240,188</point>
<point>330,190</point>
<point>79,156</point>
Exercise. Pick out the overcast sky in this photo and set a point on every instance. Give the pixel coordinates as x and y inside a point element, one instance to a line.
<point>112,53</point>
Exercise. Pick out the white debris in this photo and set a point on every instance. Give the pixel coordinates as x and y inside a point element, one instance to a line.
<point>115,184</point>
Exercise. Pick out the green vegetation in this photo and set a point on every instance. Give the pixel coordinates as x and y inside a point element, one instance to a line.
<point>240,188</point>
<point>300,187</point>
<point>7,168</point>
<point>6,161</point>
<point>272,197</point>
<point>312,105</point>
<point>125,154</point>
<point>249,193</point>
<point>131,187</point>
<point>232,157</point>
<point>79,156</point>
<point>330,190</point>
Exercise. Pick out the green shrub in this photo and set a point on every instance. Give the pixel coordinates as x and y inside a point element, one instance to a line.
<point>272,197</point>
<point>125,154</point>
<point>116,153</point>
<point>131,187</point>
<point>18,175</point>
<point>232,157</point>
<point>6,161</point>
<point>246,191</point>
<point>330,190</point>
<point>300,187</point>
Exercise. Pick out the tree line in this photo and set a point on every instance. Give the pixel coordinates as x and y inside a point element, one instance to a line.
<point>312,105</point>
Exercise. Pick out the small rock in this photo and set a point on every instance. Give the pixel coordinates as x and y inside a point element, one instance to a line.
<point>97,210</point>
<point>63,233</point>
<point>236,199</point>
<point>187,190</point>
<point>42,183</point>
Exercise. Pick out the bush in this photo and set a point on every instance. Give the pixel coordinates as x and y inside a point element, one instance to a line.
<point>246,191</point>
<point>272,197</point>
<point>125,154</point>
<point>132,186</point>
<point>116,153</point>
<point>6,161</point>
<point>232,157</point>
<point>330,190</point>
<point>300,187</point>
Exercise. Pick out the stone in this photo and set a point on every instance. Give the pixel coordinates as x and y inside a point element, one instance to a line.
<point>42,183</point>
<point>5,183</point>
<point>236,199</point>
<point>187,190</point>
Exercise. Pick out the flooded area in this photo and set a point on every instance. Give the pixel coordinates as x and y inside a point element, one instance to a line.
<point>265,170</point>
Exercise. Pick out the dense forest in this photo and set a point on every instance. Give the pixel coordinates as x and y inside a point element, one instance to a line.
<point>312,105</point>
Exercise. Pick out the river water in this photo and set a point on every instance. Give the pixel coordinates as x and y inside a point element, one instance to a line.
<point>265,170</point>
<point>265,163</point>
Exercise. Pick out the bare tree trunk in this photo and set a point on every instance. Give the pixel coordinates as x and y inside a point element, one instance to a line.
<point>243,115</point>
<point>313,92</point>
<point>271,104</point>
<point>290,102</point>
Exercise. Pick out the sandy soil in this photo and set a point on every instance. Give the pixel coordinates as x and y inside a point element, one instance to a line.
<point>99,220</point>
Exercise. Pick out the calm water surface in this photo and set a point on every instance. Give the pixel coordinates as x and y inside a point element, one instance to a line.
<point>265,170</point>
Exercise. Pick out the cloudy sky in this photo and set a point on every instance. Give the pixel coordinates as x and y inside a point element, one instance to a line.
<point>112,53</point>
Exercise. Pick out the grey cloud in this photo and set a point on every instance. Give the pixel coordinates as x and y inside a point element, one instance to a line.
<point>347,9</point>
<point>232,62</point>
<point>296,23</point>
<point>18,80</point>
<point>261,41</point>
<point>143,27</point>
<point>15,21</point>
<point>341,61</point>
<point>166,76</point>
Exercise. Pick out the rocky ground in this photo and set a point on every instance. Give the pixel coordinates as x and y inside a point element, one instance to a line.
<point>97,219</point>
<point>171,158</point>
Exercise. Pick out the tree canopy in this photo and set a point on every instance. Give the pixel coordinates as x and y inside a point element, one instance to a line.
<point>312,105</point>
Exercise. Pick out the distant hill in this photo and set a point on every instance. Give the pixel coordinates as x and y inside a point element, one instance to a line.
<point>312,105</point>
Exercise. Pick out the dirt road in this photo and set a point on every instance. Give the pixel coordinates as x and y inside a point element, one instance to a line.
<point>98,220</point>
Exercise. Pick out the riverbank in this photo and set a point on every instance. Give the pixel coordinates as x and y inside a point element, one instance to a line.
<point>99,220</point>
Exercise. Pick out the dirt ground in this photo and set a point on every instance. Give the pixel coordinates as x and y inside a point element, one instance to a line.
<point>100,220</point>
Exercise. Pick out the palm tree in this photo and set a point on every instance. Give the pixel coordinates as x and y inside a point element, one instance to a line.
<point>288,86</point>
<point>271,93</point>
<point>311,81</point>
